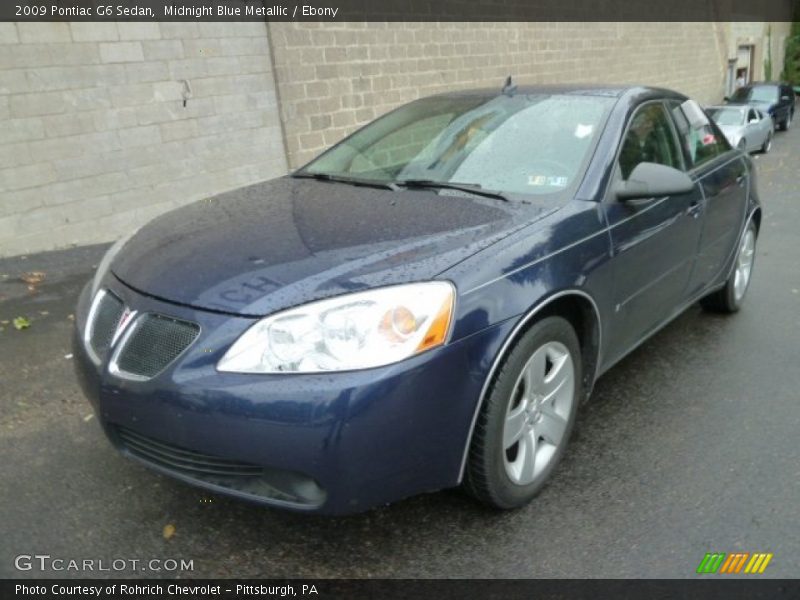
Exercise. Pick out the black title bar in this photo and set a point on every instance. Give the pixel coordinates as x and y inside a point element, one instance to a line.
<point>708,587</point>
<point>398,10</point>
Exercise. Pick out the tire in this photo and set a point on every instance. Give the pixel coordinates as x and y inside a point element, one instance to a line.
<point>767,145</point>
<point>787,122</point>
<point>730,297</point>
<point>499,471</point>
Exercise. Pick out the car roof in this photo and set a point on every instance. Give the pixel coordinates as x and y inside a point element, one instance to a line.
<point>593,89</point>
<point>735,106</point>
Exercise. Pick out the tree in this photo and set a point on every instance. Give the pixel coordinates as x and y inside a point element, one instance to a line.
<point>791,61</point>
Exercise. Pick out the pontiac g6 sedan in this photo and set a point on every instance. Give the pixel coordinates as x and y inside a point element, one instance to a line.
<point>425,305</point>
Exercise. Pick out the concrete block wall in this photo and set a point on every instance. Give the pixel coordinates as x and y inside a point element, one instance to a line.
<point>95,139</point>
<point>334,77</point>
<point>756,34</point>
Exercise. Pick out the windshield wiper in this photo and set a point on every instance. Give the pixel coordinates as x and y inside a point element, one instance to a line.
<point>388,185</point>
<point>472,188</point>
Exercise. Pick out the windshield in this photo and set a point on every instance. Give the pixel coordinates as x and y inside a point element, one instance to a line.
<point>727,116</point>
<point>520,144</point>
<point>762,93</point>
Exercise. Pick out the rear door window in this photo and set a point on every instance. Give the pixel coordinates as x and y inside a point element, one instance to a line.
<point>700,144</point>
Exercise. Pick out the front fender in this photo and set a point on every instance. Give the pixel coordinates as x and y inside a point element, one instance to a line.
<point>570,249</point>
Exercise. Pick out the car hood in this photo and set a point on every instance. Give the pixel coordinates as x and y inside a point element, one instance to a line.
<point>760,104</point>
<point>288,241</point>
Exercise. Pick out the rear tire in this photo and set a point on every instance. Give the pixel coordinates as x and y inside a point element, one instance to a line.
<point>787,122</point>
<point>527,417</point>
<point>730,297</point>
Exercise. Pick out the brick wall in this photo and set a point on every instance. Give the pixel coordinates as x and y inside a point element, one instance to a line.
<point>94,137</point>
<point>333,77</point>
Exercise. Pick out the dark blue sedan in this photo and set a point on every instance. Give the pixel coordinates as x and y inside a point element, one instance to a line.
<point>425,305</point>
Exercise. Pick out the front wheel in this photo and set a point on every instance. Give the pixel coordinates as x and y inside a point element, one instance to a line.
<point>527,418</point>
<point>729,298</point>
<point>767,145</point>
<point>787,122</point>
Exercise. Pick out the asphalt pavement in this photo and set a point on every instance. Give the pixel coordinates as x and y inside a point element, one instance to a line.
<point>690,445</point>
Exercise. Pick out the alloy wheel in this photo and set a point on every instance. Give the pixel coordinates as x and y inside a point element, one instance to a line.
<point>538,412</point>
<point>744,264</point>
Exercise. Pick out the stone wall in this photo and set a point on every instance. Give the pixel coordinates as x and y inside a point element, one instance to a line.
<point>334,77</point>
<point>95,138</point>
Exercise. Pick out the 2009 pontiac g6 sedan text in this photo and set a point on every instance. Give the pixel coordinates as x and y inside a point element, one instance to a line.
<point>424,305</point>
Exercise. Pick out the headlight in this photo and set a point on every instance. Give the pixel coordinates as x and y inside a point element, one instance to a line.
<point>105,262</point>
<point>354,331</point>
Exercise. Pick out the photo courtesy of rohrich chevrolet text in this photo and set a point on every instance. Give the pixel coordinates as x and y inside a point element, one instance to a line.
<point>404,299</point>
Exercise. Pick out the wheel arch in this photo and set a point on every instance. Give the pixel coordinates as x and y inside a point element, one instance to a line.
<point>577,307</point>
<point>756,217</point>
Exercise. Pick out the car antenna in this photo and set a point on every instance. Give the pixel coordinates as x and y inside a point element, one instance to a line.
<point>509,88</point>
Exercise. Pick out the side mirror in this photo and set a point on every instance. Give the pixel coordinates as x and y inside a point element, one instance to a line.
<point>650,180</point>
<point>751,121</point>
<point>726,98</point>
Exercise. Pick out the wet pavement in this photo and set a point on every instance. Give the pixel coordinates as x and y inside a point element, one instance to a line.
<point>690,445</point>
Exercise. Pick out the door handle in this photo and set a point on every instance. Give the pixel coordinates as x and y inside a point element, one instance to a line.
<point>694,209</point>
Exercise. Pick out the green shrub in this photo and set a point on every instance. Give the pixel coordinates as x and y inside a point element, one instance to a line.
<point>791,61</point>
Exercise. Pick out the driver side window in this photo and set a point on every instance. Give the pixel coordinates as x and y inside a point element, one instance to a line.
<point>649,139</point>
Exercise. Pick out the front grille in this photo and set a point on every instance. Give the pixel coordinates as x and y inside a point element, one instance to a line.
<point>276,485</point>
<point>155,342</point>
<point>107,314</point>
<point>179,459</point>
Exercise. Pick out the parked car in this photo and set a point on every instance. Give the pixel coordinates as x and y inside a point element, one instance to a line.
<point>426,304</point>
<point>775,99</point>
<point>745,127</point>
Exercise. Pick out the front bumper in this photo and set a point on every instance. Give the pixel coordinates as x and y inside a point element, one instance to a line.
<point>352,440</point>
